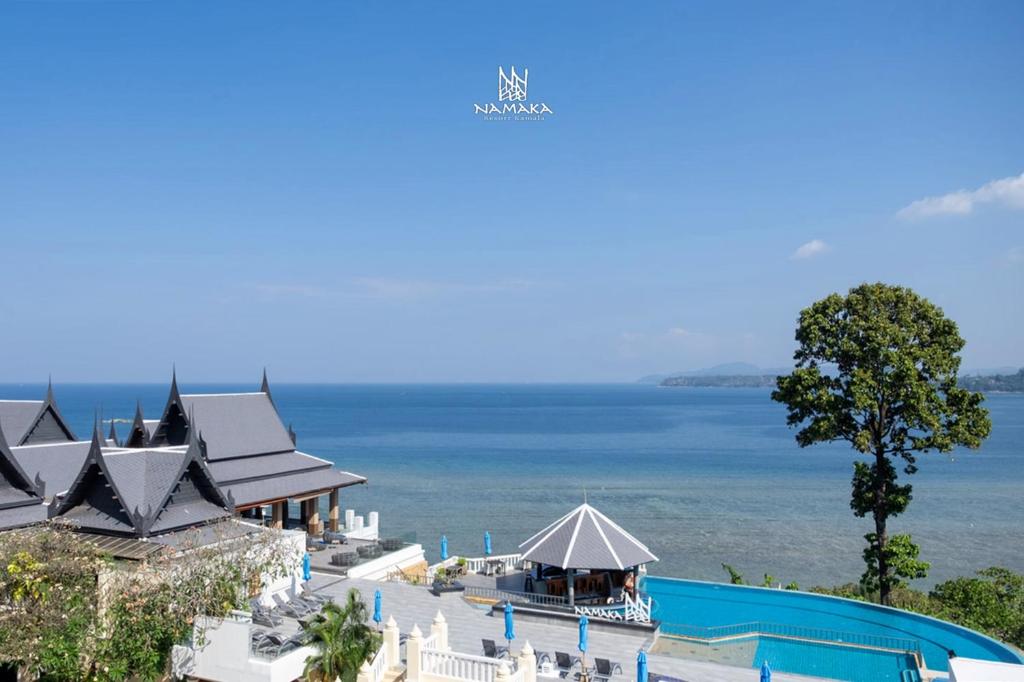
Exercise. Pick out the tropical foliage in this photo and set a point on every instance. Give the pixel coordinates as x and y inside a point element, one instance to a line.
<point>877,368</point>
<point>992,602</point>
<point>343,639</point>
<point>67,612</point>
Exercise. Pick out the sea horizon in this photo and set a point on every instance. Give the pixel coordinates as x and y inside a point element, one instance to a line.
<point>704,476</point>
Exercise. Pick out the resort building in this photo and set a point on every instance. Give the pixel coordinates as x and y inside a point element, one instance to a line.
<point>236,452</point>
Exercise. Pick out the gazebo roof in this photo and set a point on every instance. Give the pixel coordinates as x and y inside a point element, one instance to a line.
<point>586,538</point>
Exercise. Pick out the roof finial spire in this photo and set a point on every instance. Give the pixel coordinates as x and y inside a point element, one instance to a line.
<point>265,388</point>
<point>49,388</point>
<point>584,494</point>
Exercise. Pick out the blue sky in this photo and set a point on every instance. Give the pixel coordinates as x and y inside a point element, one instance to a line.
<point>232,185</point>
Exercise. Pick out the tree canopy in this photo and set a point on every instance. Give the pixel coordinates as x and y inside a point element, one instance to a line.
<point>878,368</point>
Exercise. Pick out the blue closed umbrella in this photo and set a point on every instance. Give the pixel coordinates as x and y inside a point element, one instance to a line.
<point>641,666</point>
<point>766,672</point>
<point>583,633</point>
<point>377,618</point>
<point>444,548</point>
<point>510,629</point>
<point>306,572</point>
<point>487,543</point>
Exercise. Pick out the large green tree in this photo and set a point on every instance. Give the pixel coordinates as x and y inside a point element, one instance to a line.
<point>878,368</point>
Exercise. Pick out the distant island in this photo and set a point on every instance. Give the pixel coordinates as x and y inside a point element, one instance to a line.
<point>725,380</point>
<point>996,383</point>
<point>742,375</point>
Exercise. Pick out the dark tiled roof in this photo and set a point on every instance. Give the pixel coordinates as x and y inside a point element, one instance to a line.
<point>586,538</point>
<point>56,464</point>
<point>21,500</point>
<point>277,464</point>
<point>292,485</point>
<point>142,492</point>
<point>23,515</point>
<point>17,417</point>
<point>238,424</point>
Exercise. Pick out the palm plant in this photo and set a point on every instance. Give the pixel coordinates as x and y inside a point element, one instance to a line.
<point>343,638</point>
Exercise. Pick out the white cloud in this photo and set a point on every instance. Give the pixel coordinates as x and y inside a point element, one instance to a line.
<point>1007,192</point>
<point>813,248</point>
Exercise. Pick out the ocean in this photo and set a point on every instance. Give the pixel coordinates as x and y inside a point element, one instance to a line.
<point>704,476</point>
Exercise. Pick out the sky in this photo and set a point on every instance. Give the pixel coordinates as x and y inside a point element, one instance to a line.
<point>307,186</point>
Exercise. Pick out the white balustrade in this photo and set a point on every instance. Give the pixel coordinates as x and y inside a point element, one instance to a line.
<point>462,666</point>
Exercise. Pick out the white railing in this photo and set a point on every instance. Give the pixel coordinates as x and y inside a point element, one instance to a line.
<point>632,610</point>
<point>507,562</point>
<point>464,666</point>
<point>379,665</point>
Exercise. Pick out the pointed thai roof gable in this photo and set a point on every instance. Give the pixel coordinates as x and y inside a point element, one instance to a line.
<point>112,436</point>
<point>47,426</point>
<point>265,388</point>
<point>144,484</point>
<point>173,426</point>
<point>586,538</point>
<point>14,474</point>
<point>117,517</point>
<point>138,435</point>
<point>21,499</point>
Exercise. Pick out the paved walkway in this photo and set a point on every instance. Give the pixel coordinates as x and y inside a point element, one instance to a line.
<point>413,605</point>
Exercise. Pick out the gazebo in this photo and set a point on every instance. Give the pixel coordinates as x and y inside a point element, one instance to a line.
<point>583,555</point>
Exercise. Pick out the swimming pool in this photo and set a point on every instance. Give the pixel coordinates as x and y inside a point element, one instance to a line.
<point>685,605</point>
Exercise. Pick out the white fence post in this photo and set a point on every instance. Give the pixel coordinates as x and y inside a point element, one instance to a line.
<point>528,663</point>
<point>391,642</point>
<point>413,652</point>
<point>502,674</point>
<point>364,672</point>
<point>439,629</point>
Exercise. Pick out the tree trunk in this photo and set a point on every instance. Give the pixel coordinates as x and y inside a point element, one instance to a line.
<point>882,538</point>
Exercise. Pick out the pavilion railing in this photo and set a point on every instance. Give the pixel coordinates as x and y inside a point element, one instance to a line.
<point>631,610</point>
<point>516,597</point>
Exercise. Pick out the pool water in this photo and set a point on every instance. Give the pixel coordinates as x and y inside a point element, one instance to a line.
<point>702,604</point>
<point>835,662</point>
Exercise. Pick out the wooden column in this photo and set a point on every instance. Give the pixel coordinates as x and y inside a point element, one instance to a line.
<point>313,525</point>
<point>284,513</point>
<point>334,512</point>
<point>259,512</point>
<point>571,580</point>
<point>278,513</point>
<point>304,513</point>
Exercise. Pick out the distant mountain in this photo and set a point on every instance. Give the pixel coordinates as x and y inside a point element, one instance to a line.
<point>988,371</point>
<point>722,381</point>
<point>997,383</point>
<point>728,369</point>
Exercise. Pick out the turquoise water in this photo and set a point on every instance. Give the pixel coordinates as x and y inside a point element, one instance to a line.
<point>704,476</point>
<point>712,605</point>
<point>837,663</point>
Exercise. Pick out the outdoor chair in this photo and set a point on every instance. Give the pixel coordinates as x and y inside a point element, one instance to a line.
<point>492,650</point>
<point>368,551</point>
<point>565,663</point>
<point>334,537</point>
<point>604,669</point>
<point>267,641</point>
<point>292,608</point>
<point>343,558</point>
<point>391,544</point>
<point>261,615</point>
<point>311,597</point>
